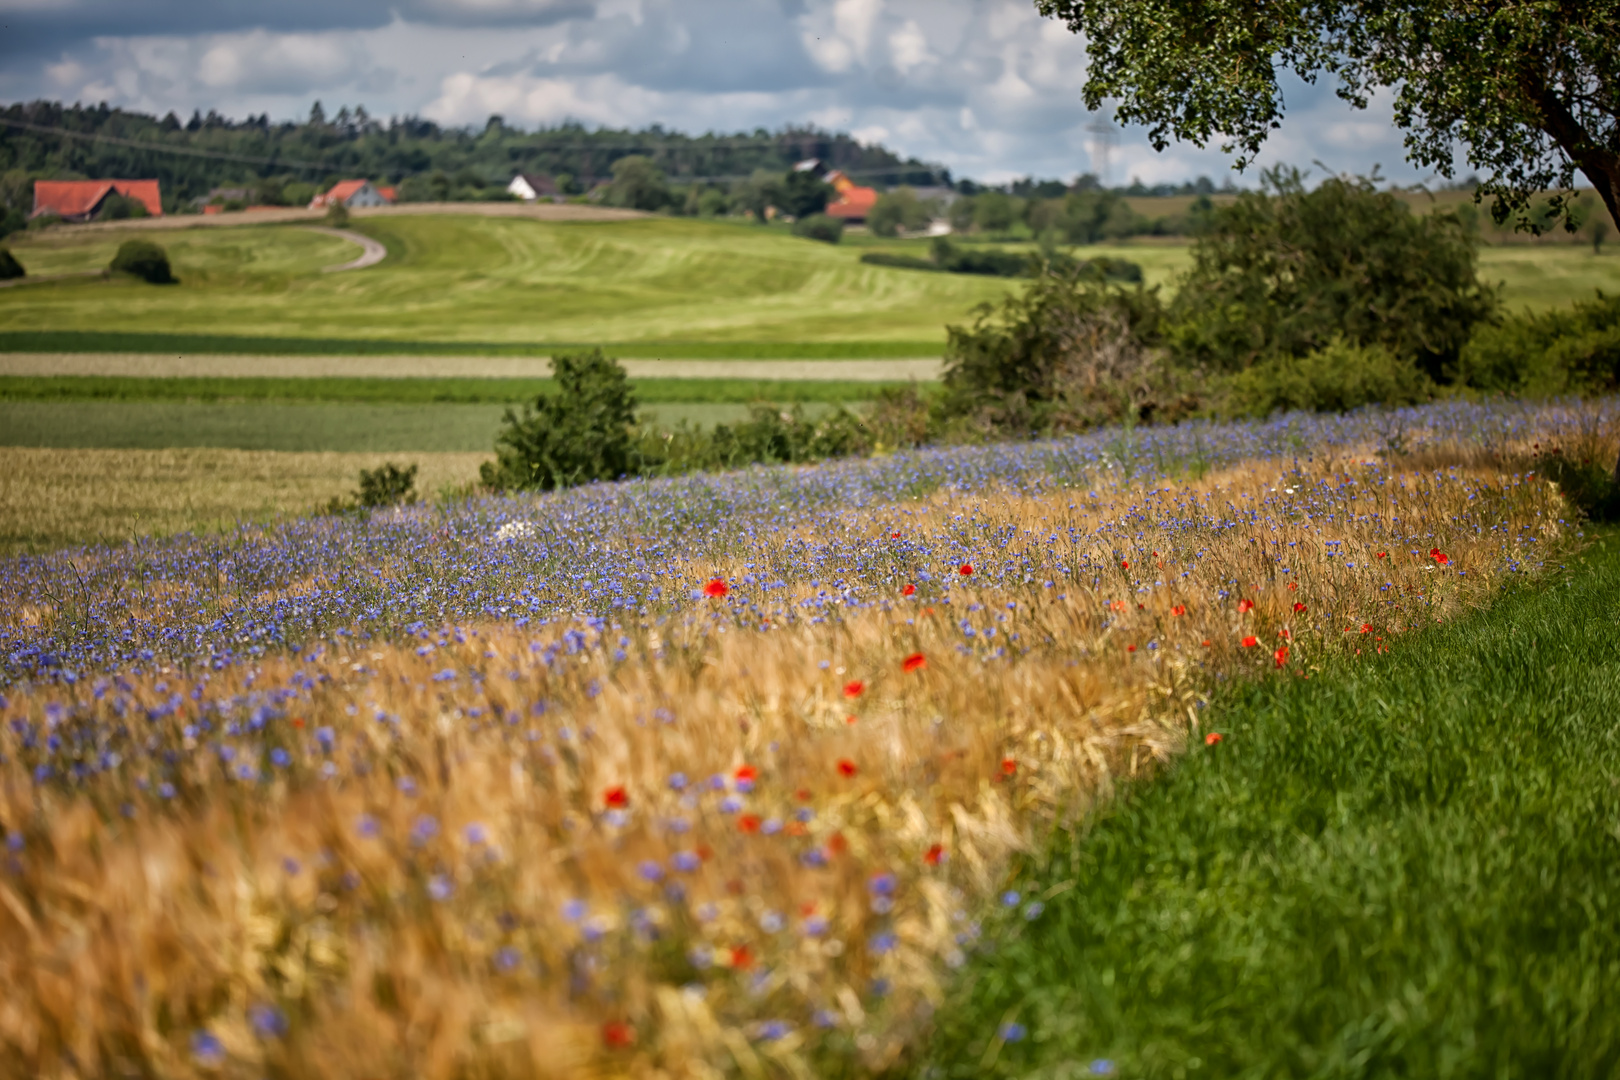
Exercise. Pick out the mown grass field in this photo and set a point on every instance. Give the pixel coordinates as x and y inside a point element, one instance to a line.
<point>504,281</point>
<point>723,773</point>
<point>1406,865</point>
<point>655,287</point>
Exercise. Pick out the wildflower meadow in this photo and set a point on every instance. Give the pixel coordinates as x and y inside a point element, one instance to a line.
<point>717,775</point>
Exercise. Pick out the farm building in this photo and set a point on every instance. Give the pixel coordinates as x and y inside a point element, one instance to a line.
<point>352,194</point>
<point>532,186</point>
<point>854,202</point>
<point>82,200</point>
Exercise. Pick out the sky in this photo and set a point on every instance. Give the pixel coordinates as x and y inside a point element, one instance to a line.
<point>986,87</point>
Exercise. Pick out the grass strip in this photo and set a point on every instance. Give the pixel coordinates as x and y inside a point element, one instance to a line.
<point>118,341</point>
<point>468,391</point>
<point>1407,865</point>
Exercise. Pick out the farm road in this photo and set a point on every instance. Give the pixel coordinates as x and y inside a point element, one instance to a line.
<point>149,366</point>
<point>371,252</point>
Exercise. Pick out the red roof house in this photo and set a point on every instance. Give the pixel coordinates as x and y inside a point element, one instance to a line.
<point>79,200</point>
<point>351,193</point>
<point>854,202</point>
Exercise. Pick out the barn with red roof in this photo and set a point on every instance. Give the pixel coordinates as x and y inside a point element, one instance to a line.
<point>854,202</point>
<point>81,200</point>
<point>352,193</point>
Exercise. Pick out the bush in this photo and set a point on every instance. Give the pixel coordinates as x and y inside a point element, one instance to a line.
<point>1575,350</point>
<point>1285,271</point>
<point>145,260</point>
<point>10,268</point>
<point>1337,378</point>
<point>337,215</point>
<point>387,485</point>
<point>638,184</point>
<point>803,195</point>
<point>899,210</point>
<point>579,433</point>
<point>903,262</point>
<point>118,207</point>
<point>828,230</point>
<point>1068,353</point>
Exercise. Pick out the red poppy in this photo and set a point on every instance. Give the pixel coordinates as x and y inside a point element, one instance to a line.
<point>1366,628</point>
<point>853,688</point>
<point>616,798</point>
<point>1124,564</point>
<point>933,855</point>
<point>909,590</point>
<point>298,721</point>
<point>1286,634</point>
<point>746,772</point>
<point>1130,648</point>
<point>705,852</point>
<point>796,828</point>
<point>914,661</point>
<point>1245,606</point>
<point>1292,585</point>
<point>1179,610</point>
<point>1299,609</point>
<point>1281,655</point>
<point>1250,642</point>
<point>1212,738</point>
<point>803,794</point>
<point>850,719</point>
<point>748,823</point>
<point>837,844</point>
<point>716,588</point>
<point>617,1033</point>
<point>741,958</point>
<point>1383,554</point>
<point>1117,605</point>
<point>1441,557</point>
<point>1008,766</point>
<point>1206,643</point>
<point>846,768</point>
<point>966,569</point>
<point>894,536</point>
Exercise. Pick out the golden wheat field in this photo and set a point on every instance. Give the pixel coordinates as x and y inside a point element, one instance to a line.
<point>695,778</point>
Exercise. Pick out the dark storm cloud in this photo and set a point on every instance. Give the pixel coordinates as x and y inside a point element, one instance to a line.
<point>39,30</point>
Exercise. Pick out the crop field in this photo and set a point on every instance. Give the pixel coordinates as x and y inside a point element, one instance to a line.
<point>652,288</point>
<point>724,774</point>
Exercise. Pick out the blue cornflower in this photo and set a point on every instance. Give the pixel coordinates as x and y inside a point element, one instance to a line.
<point>440,887</point>
<point>1011,897</point>
<point>268,1021</point>
<point>1012,1031</point>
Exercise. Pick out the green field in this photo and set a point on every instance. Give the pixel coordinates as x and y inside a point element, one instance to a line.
<point>349,427</point>
<point>653,288</point>
<point>417,391</point>
<point>463,278</point>
<point>1408,865</point>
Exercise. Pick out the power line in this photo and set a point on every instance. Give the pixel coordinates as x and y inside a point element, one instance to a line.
<point>186,151</point>
<point>160,148</point>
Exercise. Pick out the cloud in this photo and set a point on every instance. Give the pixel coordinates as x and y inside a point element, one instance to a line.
<point>987,87</point>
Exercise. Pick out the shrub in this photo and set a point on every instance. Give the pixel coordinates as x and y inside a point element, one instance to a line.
<point>145,260</point>
<point>829,230</point>
<point>899,210</point>
<point>119,207</point>
<point>9,266</point>
<point>903,262</point>
<point>337,215</point>
<point>578,433</point>
<point>387,485</point>
<point>1070,352</point>
<point>1284,271</point>
<point>638,184</point>
<point>1574,350</point>
<point>1337,378</point>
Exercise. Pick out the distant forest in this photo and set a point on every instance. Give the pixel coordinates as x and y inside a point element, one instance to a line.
<point>259,161</point>
<point>209,151</point>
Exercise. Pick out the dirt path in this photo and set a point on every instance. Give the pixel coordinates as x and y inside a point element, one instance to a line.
<point>166,365</point>
<point>371,252</point>
<point>298,215</point>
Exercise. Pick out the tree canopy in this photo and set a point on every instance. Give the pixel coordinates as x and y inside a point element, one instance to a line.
<point>1531,88</point>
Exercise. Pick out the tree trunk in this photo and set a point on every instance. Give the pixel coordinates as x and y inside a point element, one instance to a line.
<point>1600,164</point>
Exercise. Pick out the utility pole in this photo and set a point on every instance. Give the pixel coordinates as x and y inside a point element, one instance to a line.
<point>1104,135</point>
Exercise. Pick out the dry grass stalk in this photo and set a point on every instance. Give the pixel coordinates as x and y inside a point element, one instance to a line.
<point>499,852</point>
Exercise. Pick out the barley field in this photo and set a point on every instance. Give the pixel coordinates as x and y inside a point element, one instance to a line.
<point>701,777</point>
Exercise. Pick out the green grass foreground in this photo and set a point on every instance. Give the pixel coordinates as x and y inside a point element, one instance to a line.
<point>465,391</point>
<point>1407,865</point>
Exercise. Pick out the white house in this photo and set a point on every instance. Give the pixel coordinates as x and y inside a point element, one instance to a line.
<point>531,186</point>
